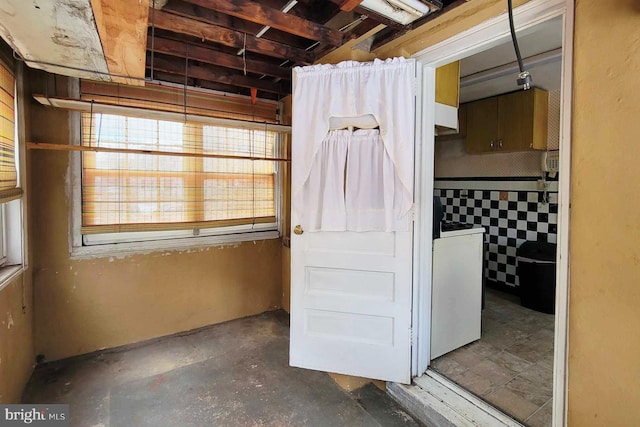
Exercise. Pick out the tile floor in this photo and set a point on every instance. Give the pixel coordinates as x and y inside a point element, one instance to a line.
<point>511,366</point>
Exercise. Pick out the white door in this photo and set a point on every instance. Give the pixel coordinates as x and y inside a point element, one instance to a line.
<point>351,302</point>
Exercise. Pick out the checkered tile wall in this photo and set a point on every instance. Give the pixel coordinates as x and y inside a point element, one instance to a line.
<point>508,223</point>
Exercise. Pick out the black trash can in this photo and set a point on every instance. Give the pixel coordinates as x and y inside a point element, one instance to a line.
<point>537,273</point>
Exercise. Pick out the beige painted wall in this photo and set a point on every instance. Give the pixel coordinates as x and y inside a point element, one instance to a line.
<point>286,279</point>
<point>16,338</point>
<point>604,337</point>
<point>85,305</point>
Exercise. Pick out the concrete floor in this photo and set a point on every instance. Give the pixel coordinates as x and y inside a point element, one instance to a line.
<point>232,374</point>
<point>511,366</point>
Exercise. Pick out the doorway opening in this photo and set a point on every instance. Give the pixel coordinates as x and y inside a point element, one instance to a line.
<point>518,196</point>
<point>489,176</point>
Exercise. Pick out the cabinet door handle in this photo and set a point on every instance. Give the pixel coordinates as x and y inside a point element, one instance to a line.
<point>500,143</point>
<point>491,144</point>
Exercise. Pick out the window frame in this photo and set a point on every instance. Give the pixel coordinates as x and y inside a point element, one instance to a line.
<point>12,213</point>
<point>105,244</point>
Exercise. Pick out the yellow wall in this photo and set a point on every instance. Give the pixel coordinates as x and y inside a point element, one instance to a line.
<point>85,305</point>
<point>16,340</point>
<point>286,279</point>
<point>604,324</point>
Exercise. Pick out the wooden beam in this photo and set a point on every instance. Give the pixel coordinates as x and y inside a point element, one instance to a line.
<point>349,5</point>
<point>357,32</point>
<point>84,148</point>
<point>375,16</point>
<point>192,11</point>
<point>122,28</point>
<point>227,37</point>
<point>255,12</point>
<point>162,77</point>
<point>210,56</point>
<point>183,113</point>
<point>216,74</point>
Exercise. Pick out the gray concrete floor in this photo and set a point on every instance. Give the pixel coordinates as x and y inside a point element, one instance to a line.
<point>232,374</point>
<point>511,366</point>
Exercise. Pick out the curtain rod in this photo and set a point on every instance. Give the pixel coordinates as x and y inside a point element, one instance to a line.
<point>83,148</point>
<point>106,108</point>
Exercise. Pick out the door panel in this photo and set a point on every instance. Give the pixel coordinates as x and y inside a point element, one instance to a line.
<point>351,303</point>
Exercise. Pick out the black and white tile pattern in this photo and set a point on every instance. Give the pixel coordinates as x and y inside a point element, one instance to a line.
<point>521,217</point>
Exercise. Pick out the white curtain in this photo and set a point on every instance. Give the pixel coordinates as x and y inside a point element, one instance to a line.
<point>323,194</point>
<point>373,191</point>
<point>384,89</point>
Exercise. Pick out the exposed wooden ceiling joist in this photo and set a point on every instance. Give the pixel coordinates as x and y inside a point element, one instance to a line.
<point>217,74</point>
<point>229,45</point>
<point>349,5</point>
<point>189,10</point>
<point>255,12</point>
<point>227,37</point>
<point>210,56</point>
<point>161,76</point>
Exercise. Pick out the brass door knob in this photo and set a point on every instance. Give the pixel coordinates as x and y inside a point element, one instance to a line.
<point>298,229</point>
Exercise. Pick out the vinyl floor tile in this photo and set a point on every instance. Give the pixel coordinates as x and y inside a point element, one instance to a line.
<point>511,366</point>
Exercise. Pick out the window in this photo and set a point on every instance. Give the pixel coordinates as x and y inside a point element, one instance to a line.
<point>142,191</point>
<point>10,191</point>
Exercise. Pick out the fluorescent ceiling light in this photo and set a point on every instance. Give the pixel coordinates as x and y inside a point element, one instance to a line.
<point>402,11</point>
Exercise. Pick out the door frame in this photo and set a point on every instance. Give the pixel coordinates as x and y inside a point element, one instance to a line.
<point>479,38</point>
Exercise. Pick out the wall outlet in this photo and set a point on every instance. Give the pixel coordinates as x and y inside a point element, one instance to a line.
<point>464,193</point>
<point>553,198</point>
<point>504,195</point>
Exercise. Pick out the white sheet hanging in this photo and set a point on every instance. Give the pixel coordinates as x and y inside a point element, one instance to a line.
<point>353,185</point>
<point>373,193</point>
<point>384,89</point>
<point>323,195</point>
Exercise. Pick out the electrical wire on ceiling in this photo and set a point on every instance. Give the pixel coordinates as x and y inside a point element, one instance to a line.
<point>524,78</point>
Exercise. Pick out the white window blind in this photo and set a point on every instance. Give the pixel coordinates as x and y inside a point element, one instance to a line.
<point>8,173</point>
<point>123,192</point>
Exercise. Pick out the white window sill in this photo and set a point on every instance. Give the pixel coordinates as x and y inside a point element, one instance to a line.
<point>8,273</point>
<point>134,248</point>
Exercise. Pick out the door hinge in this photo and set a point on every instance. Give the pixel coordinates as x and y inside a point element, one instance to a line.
<point>412,212</point>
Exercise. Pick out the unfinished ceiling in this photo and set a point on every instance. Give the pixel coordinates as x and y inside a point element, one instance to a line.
<point>92,39</point>
<point>495,70</point>
<point>232,46</point>
<point>235,45</point>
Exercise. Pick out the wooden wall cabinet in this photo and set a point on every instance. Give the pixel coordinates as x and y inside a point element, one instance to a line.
<point>448,84</point>
<point>515,121</point>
